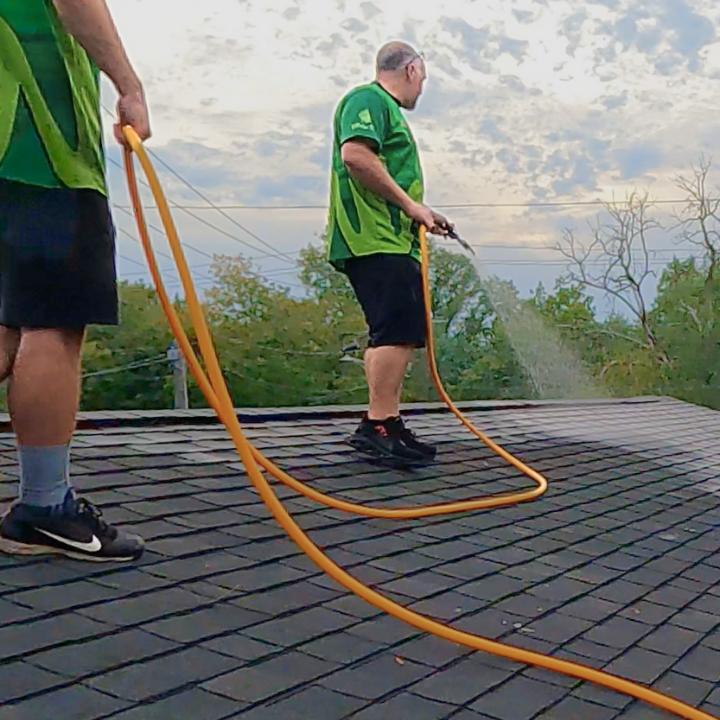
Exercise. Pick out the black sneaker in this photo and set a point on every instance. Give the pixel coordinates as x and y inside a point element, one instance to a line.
<point>409,439</point>
<point>381,439</point>
<point>75,529</point>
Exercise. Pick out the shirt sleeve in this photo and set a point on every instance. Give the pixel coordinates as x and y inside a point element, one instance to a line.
<point>364,116</point>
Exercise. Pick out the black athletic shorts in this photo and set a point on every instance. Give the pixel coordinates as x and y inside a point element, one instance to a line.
<point>389,290</point>
<point>57,258</point>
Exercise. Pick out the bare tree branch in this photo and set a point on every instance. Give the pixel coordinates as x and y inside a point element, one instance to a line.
<point>620,245</point>
<point>699,221</point>
<point>608,332</point>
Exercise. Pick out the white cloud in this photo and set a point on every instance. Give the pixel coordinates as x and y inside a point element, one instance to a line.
<point>527,100</point>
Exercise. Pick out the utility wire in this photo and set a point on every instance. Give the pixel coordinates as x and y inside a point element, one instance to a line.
<point>157,229</point>
<point>129,366</point>
<point>188,209</point>
<point>201,195</point>
<point>130,260</point>
<point>217,228</point>
<point>456,206</point>
<point>160,253</point>
<point>201,220</point>
<point>212,205</point>
<point>192,267</point>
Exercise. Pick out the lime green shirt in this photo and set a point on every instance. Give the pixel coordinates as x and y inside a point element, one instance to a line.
<point>50,128</point>
<point>360,222</point>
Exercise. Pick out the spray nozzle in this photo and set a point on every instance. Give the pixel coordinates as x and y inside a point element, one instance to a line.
<point>463,243</point>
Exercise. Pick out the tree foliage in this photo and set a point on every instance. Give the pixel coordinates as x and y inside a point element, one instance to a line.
<point>279,349</point>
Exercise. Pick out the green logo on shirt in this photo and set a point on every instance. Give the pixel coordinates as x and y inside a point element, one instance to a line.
<point>365,121</point>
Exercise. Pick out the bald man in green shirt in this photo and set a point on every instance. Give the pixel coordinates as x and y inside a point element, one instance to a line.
<point>376,208</point>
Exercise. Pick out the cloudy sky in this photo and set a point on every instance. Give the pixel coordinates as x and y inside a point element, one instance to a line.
<point>527,101</point>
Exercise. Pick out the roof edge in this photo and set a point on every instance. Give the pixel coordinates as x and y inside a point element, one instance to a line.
<point>164,417</point>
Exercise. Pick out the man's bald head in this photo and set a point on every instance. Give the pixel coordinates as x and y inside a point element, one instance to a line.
<point>394,56</point>
<point>401,71</point>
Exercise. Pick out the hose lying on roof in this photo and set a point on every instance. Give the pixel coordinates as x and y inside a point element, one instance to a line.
<point>215,390</point>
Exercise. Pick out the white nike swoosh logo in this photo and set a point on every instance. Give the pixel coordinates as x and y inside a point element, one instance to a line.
<point>93,546</point>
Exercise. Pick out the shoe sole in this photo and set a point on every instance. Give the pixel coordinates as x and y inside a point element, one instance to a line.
<point>385,458</point>
<point>12,547</point>
<point>428,456</point>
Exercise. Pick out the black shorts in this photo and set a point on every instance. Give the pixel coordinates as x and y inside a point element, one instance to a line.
<point>389,289</point>
<point>57,258</point>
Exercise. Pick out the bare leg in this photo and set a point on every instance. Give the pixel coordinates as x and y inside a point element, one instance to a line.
<point>385,369</point>
<point>44,391</point>
<point>44,397</point>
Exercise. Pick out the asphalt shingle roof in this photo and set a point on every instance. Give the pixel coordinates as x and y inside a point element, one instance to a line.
<point>617,566</point>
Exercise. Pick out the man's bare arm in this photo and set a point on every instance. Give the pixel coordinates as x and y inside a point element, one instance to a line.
<point>367,168</point>
<point>90,23</point>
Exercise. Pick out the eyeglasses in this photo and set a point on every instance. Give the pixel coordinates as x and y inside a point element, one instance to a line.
<point>416,56</point>
<point>423,72</point>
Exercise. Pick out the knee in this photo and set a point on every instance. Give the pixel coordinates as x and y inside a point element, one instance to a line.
<point>54,342</point>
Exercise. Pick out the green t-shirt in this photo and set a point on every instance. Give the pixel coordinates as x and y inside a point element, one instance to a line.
<point>360,222</point>
<point>50,128</point>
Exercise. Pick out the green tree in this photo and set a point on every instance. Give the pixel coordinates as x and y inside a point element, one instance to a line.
<point>687,315</point>
<point>280,350</point>
<point>125,367</point>
<point>474,351</point>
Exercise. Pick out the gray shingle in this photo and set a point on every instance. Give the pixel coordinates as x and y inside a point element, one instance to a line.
<point>619,564</point>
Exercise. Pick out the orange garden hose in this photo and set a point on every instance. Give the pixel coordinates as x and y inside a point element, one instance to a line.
<point>215,390</point>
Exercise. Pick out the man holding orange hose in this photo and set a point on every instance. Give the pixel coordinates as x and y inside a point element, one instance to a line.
<point>375,212</point>
<point>57,254</point>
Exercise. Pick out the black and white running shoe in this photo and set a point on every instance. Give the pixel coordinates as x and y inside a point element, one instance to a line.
<point>75,529</point>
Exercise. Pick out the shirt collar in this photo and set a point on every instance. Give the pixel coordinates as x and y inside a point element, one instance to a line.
<point>387,92</point>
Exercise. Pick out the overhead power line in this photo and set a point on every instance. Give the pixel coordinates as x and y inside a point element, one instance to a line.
<point>157,229</point>
<point>201,195</point>
<point>448,206</point>
<point>129,366</point>
<point>187,183</point>
<point>223,208</point>
<point>205,222</point>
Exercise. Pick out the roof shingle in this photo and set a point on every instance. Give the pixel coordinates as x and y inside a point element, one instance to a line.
<point>617,566</point>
